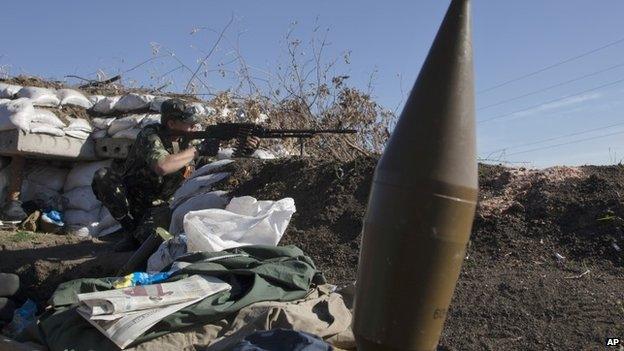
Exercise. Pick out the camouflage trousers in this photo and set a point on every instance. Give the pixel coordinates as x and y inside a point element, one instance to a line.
<point>134,212</point>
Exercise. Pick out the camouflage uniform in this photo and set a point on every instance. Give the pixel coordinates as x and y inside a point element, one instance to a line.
<point>130,193</point>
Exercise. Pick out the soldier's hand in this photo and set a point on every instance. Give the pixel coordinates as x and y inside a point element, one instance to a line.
<point>208,147</point>
<point>252,143</point>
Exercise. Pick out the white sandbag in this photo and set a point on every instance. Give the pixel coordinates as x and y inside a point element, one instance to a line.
<point>245,221</point>
<point>127,133</point>
<point>39,96</point>
<point>94,99</point>
<point>156,103</point>
<point>82,174</point>
<point>48,176</point>
<point>48,117</point>
<point>82,198</point>
<point>197,108</point>
<point>225,153</point>
<point>78,134</point>
<point>39,128</point>
<point>99,134</point>
<point>125,123</point>
<point>9,90</point>
<point>214,199</point>
<point>79,124</point>
<point>166,253</point>
<point>197,185</point>
<point>34,191</point>
<point>211,167</point>
<point>102,122</point>
<point>263,154</point>
<point>80,217</point>
<point>106,104</point>
<point>73,97</point>
<point>150,119</point>
<point>133,102</point>
<point>4,101</point>
<point>16,114</point>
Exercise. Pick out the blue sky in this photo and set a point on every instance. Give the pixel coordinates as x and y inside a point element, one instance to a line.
<point>391,38</point>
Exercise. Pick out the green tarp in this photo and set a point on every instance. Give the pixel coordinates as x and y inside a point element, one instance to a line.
<point>261,273</point>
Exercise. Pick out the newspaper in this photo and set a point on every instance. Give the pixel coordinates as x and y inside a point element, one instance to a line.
<point>124,314</point>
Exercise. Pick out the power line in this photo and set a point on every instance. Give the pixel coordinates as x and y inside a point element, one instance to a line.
<point>551,87</point>
<point>574,58</point>
<point>566,143</point>
<point>585,131</point>
<point>552,101</point>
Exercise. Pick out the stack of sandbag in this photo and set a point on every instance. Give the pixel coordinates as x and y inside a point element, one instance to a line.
<point>127,127</point>
<point>74,98</point>
<point>8,91</point>
<point>43,184</point>
<point>100,126</point>
<point>82,212</point>
<point>46,122</point>
<point>16,114</point>
<point>78,128</point>
<point>121,104</point>
<point>200,182</point>
<point>40,96</point>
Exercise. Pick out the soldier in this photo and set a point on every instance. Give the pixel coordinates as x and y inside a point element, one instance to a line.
<point>154,169</point>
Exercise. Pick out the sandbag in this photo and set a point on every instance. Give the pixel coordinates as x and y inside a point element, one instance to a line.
<point>99,134</point>
<point>106,104</point>
<point>81,218</point>
<point>31,191</point>
<point>214,199</point>
<point>211,167</point>
<point>156,103</point>
<point>94,99</point>
<point>127,133</point>
<point>245,221</point>
<point>150,119</point>
<point>39,96</point>
<point>16,114</point>
<point>73,97</point>
<point>39,128</point>
<point>102,122</point>
<point>82,174</point>
<point>48,176</point>
<point>78,134</point>
<point>79,124</point>
<point>8,90</point>
<point>82,198</point>
<point>133,102</point>
<point>194,186</point>
<point>125,123</point>
<point>43,116</point>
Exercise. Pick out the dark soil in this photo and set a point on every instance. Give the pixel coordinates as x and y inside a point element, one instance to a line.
<point>543,271</point>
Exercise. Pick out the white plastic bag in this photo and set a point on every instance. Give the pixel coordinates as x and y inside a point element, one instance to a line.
<point>127,133</point>
<point>133,102</point>
<point>245,221</point>
<point>166,253</point>
<point>213,199</point>
<point>43,116</point>
<point>82,174</point>
<point>125,123</point>
<point>44,175</point>
<point>16,114</point>
<point>82,198</point>
<point>73,97</point>
<point>106,104</point>
<point>39,96</point>
<point>8,90</point>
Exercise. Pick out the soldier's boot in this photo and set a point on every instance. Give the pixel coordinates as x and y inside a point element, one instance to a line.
<point>127,242</point>
<point>13,212</point>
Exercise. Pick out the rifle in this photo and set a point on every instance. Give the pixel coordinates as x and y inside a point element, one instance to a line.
<point>241,131</point>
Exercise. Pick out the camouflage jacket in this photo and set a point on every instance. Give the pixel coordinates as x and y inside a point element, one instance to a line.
<point>141,181</point>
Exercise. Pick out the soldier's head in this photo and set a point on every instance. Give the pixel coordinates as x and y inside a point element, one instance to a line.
<point>176,115</point>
